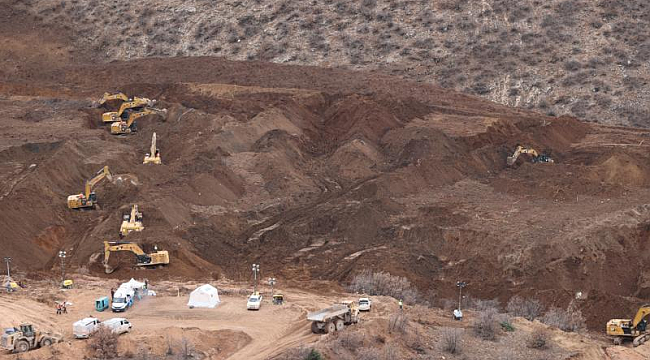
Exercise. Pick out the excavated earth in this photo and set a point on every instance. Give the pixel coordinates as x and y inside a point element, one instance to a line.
<point>317,174</point>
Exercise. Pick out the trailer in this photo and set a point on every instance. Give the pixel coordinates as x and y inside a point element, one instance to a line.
<point>334,318</point>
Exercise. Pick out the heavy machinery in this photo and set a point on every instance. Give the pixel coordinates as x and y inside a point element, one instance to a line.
<point>334,318</point>
<point>635,329</point>
<point>536,157</point>
<point>157,258</point>
<point>153,157</point>
<point>88,199</point>
<point>131,222</point>
<point>24,338</point>
<point>127,123</point>
<point>129,105</point>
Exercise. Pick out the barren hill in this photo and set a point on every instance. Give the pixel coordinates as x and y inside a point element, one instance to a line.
<point>317,173</point>
<point>583,58</point>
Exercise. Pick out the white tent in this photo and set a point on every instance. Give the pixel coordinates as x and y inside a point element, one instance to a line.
<point>134,284</point>
<point>205,296</point>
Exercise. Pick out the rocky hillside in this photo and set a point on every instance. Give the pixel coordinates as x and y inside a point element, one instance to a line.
<point>580,57</point>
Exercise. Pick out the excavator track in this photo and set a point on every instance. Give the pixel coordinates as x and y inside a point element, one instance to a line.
<point>640,339</point>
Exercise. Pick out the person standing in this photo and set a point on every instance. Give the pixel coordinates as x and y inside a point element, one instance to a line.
<point>58,308</point>
<point>64,308</point>
<point>112,293</point>
<point>401,304</point>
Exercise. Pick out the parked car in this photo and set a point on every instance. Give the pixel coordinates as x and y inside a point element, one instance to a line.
<point>122,299</point>
<point>365,304</point>
<point>254,302</point>
<point>118,325</point>
<point>83,328</point>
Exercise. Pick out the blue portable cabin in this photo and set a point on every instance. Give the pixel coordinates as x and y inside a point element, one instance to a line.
<point>101,304</point>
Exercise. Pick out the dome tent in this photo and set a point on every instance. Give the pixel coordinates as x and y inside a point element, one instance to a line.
<point>205,296</point>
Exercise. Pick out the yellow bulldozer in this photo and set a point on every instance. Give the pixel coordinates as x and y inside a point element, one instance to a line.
<point>127,123</point>
<point>131,222</point>
<point>153,157</point>
<point>635,329</point>
<point>536,157</point>
<point>155,259</point>
<point>88,199</point>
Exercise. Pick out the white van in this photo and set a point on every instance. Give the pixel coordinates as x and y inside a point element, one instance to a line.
<point>83,328</point>
<point>122,299</point>
<point>118,325</point>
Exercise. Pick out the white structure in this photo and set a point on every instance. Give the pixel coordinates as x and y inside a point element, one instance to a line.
<point>83,328</point>
<point>118,325</point>
<point>205,296</point>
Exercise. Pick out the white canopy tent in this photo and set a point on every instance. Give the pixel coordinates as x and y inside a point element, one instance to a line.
<point>205,296</point>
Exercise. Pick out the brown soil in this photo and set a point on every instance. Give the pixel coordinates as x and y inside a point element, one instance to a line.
<point>318,174</point>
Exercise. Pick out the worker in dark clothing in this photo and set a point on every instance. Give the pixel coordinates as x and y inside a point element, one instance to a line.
<point>112,293</point>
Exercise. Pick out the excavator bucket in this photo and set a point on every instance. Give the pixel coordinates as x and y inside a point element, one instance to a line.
<point>511,160</point>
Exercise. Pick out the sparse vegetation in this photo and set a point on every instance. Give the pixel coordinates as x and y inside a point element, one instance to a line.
<point>382,283</point>
<point>397,323</point>
<point>451,340</point>
<point>570,319</point>
<point>538,339</point>
<point>485,325</point>
<point>103,343</point>
<point>529,309</point>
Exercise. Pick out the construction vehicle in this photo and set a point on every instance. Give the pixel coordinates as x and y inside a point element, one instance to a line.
<point>153,157</point>
<point>127,123</point>
<point>334,318</point>
<point>157,258</point>
<point>536,157</point>
<point>25,338</point>
<point>131,222</point>
<point>129,105</point>
<point>635,329</point>
<point>88,199</point>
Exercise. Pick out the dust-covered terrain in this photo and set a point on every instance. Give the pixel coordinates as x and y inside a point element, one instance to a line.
<point>316,174</point>
<point>583,58</point>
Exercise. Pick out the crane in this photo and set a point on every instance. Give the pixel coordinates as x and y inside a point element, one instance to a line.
<point>135,104</point>
<point>157,258</point>
<point>634,329</point>
<point>153,157</point>
<point>131,222</point>
<point>88,199</point>
<point>530,151</point>
<point>129,125</point>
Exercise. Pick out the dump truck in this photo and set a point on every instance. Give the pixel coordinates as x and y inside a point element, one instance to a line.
<point>24,338</point>
<point>334,318</point>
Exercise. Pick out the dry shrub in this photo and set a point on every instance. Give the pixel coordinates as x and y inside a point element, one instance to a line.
<point>103,343</point>
<point>538,339</point>
<point>187,349</point>
<point>298,353</point>
<point>570,319</point>
<point>450,341</point>
<point>369,353</point>
<point>483,305</point>
<point>382,283</point>
<point>349,340</point>
<point>485,325</point>
<point>530,309</point>
<point>397,322</point>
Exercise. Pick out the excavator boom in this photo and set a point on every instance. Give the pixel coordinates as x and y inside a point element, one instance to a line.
<point>536,157</point>
<point>154,259</point>
<point>153,157</point>
<point>87,199</point>
<point>109,97</point>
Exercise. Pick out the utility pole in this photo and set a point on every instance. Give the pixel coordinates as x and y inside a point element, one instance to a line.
<point>271,282</point>
<point>256,271</point>
<point>7,260</point>
<point>62,255</point>
<point>461,285</point>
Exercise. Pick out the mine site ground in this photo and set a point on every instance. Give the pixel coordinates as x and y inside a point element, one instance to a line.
<point>316,174</point>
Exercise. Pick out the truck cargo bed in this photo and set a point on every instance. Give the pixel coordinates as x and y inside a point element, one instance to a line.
<point>326,314</point>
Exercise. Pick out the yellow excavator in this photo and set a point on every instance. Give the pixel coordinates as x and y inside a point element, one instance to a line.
<point>129,105</point>
<point>129,125</point>
<point>88,199</point>
<point>131,222</point>
<point>153,157</point>
<point>113,98</point>
<point>157,258</point>
<point>635,329</point>
<point>536,157</point>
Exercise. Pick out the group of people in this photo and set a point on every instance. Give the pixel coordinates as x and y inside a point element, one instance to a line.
<point>61,308</point>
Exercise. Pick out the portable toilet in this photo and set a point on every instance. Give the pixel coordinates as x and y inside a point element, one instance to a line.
<point>101,304</point>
